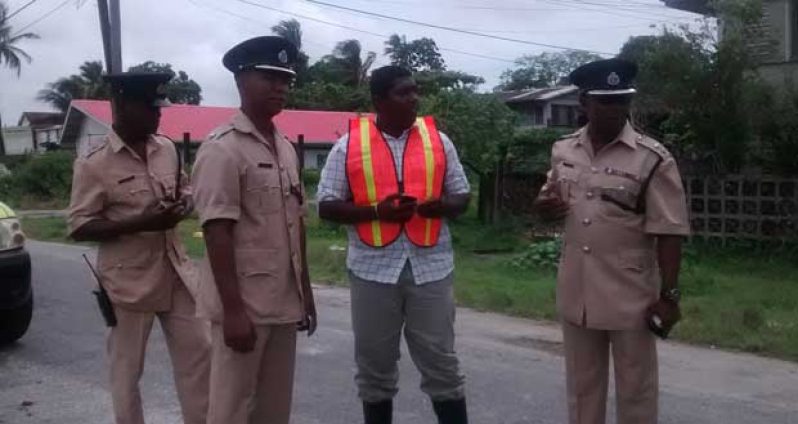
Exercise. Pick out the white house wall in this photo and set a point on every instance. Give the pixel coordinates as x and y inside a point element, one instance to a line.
<point>18,140</point>
<point>91,135</point>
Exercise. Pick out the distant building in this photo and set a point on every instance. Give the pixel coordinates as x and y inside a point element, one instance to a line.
<point>545,107</point>
<point>34,132</point>
<point>45,127</point>
<point>88,121</point>
<point>776,49</point>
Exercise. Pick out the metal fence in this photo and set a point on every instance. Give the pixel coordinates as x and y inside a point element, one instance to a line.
<point>744,208</point>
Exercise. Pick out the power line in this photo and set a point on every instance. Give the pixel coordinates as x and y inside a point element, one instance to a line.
<point>375,34</point>
<point>604,10</point>
<point>450,29</point>
<point>25,6</point>
<point>43,17</point>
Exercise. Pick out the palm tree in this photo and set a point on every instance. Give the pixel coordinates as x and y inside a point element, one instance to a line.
<point>291,30</point>
<point>10,55</point>
<point>88,84</point>
<point>346,57</point>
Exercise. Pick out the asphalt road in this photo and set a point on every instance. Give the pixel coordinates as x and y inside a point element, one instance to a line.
<point>57,373</point>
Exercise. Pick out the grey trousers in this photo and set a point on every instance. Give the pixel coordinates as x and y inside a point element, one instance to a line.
<point>426,313</point>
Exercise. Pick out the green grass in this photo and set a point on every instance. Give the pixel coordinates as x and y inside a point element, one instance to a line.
<point>734,299</point>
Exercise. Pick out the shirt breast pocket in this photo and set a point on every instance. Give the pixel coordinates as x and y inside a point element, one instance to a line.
<point>567,180</point>
<point>131,191</point>
<point>620,195</point>
<point>263,189</point>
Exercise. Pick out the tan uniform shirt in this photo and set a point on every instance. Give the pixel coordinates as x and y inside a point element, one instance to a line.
<point>608,272</point>
<point>112,182</point>
<point>239,175</point>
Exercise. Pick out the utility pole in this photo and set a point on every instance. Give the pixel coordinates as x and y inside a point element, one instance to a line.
<point>110,26</point>
<point>116,37</point>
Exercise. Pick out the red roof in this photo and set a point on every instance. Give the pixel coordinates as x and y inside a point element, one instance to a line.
<point>317,126</point>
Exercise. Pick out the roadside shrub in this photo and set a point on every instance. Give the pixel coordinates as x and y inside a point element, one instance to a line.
<point>46,176</point>
<point>40,178</point>
<point>311,177</point>
<point>541,255</point>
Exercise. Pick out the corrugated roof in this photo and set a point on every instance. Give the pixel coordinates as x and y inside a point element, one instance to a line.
<point>318,127</point>
<point>537,94</point>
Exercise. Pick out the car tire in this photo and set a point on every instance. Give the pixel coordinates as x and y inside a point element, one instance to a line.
<point>15,322</point>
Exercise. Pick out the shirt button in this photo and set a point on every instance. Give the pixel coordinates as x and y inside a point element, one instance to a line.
<point>586,249</point>
<point>594,170</point>
<point>586,222</point>
<point>589,194</point>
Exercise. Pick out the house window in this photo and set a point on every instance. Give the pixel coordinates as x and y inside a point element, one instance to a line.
<point>564,116</point>
<point>321,159</point>
<point>537,112</point>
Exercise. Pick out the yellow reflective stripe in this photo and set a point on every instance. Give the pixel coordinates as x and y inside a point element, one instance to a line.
<point>429,157</point>
<point>429,162</point>
<point>368,174</point>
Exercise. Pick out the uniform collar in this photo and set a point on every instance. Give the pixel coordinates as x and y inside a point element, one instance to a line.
<point>628,136</point>
<point>117,144</point>
<point>242,123</point>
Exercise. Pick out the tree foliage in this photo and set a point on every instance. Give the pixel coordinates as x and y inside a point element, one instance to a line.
<point>330,96</point>
<point>11,55</point>
<point>346,65</point>
<point>416,55</point>
<point>544,70</point>
<point>482,128</point>
<point>292,31</point>
<point>695,88</point>
<point>88,84</point>
<point>480,125</point>
<point>180,89</point>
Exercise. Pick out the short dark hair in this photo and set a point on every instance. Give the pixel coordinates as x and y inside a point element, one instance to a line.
<point>383,79</point>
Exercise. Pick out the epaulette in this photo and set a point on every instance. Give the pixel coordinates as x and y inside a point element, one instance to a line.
<point>654,146</point>
<point>575,134</point>
<point>219,132</point>
<point>94,150</point>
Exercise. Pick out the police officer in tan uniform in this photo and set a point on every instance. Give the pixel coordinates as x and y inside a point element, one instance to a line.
<point>625,213</point>
<point>254,284</point>
<point>125,196</point>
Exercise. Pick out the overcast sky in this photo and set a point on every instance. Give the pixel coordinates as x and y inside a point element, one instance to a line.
<point>193,35</point>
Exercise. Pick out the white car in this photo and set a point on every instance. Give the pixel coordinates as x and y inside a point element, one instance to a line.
<point>16,293</point>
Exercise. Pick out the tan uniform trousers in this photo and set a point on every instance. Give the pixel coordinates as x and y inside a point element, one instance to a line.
<point>254,387</point>
<point>188,340</point>
<point>634,354</point>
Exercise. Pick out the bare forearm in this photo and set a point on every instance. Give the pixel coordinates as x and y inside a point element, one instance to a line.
<point>346,212</point>
<point>221,255</point>
<point>669,256</point>
<point>455,205</point>
<point>104,229</point>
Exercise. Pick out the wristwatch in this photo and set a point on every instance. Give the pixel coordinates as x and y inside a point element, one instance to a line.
<point>673,295</point>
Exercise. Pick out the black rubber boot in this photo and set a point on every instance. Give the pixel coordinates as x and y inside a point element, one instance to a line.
<point>378,412</point>
<point>451,411</point>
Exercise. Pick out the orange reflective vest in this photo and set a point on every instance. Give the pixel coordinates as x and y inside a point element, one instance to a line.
<point>371,171</point>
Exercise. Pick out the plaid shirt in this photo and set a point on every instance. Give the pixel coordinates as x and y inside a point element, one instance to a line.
<point>383,265</point>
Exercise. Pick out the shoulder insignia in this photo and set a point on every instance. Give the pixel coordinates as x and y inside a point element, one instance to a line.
<point>571,135</point>
<point>94,149</point>
<point>654,146</point>
<point>221,131</point>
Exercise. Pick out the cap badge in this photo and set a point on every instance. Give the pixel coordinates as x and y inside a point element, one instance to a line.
<point>613,79</point>
<point>282,56</point>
